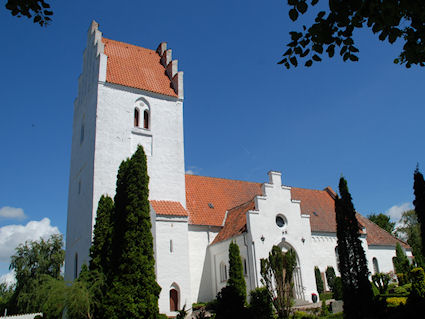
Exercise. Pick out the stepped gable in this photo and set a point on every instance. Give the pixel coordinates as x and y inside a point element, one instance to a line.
<point>133,66</point>
<point>236,198</point>
<point>168,208</point>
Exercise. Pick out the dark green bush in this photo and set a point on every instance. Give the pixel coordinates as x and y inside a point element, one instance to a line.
<point>402,279</point>
<point>198,305</point>
<point>325,296</point>
<point>261,306</point>
<point>230,304</point>
<point>381,281</point>
<point>162,316</point>
<point>330,276</point>
<point>337,293</point>
<point>319,281</point>
<point>417,295</point>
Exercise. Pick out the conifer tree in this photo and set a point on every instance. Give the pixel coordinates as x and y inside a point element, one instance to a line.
<point>319,280</point>
<point>419,202</point>
<point>236,278</point>
<point>401,263</point>
<point>133,291</point>
<point>357,291</point>
<point>101,246</point>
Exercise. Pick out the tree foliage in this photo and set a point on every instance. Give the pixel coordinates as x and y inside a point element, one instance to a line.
<point>381,281</point>
<point>100,250</point>
<point>261,306</point>
<point>409,230</point>
<point>330,277</point>
<point>419,202</point>
<point>276,272</point>
<point>33,262</point>
<point>132,288</point>
<point>38,10</point>
<point>401,263</point>
<point>417,294</point>
<point>357,291</point>
<point>319,280</point>
<point>333,29</point>
<point>382,221</point>
<point>236,277</point>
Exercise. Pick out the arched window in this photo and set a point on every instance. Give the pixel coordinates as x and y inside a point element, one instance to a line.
<point>223,272</point>
<point>136,117</point>
<point>245,268</point>
<point>174,300</point>
<point>146,119</point>
<point>76,266</point>
<point>375,265</point>
<point>337,258</point>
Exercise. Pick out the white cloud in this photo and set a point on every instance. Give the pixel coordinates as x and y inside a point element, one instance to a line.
<point>12,212</point>
<point>395,211</point>
<point>193,170</point>
<point>8,278</point>
<point>189,171</point>
<point>13,235</point>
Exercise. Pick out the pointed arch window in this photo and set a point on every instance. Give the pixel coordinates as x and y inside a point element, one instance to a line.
<point>223,272</point>
<point>146,119</point>
<point>136,117</point>
<point>375,265</point>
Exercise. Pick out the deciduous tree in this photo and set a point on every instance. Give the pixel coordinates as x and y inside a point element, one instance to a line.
<point>335,24</point>
<point>419,202</point>
<point>382,221</point>
<point>39,10</point>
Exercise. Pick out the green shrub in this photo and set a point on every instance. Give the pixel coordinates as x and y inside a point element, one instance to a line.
<point>402,279</point>
<point>337,293</point>
<point>381,281</point>
<point>396,301</point>
<point>330,276</point>
<point>261,306</point>
<point>403,290</point>
<point>325,295</point>
<point>418,285</point>
<point>162,316</point>
<point>319,281</point>
<point>303,315</point>
<point>198,305</point>
<point>324,311</point>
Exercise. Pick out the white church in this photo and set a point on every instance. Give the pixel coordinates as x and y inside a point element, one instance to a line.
<point>129,95</point>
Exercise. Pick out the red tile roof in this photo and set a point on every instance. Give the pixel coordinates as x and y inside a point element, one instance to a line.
<point>136,67</point>
<point>236,197</point>
<point>221,193</point>
<point>235,223</point>
<point>169,208</point>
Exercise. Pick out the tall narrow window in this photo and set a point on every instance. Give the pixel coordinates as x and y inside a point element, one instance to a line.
<point>76,266</point>
<point>171,245</point>
<point>223,272</point>
<point>375,265</point>
<point>245,269</point>
<point>136,117</point>
<point>146,119</point>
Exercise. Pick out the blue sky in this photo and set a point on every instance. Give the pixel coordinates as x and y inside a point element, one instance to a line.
<point>243,114</point>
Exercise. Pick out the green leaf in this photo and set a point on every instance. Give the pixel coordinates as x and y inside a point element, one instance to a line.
<point>353,58</point>
<point>293,14</point>
<point>308,63</point>
<point>294,61</point>
<point>288,52</point>
<point>314,2</point>
<point>331,50</point>
<point>316,58</point>
<point>302,7</point>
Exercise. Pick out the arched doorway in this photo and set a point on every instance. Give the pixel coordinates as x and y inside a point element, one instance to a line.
<point>174,297</point>
<point>298,290</point>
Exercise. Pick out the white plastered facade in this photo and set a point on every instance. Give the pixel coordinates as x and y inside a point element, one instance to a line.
<point>104,135</point>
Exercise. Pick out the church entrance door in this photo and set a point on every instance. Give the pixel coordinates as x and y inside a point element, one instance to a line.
<point>174,300</point>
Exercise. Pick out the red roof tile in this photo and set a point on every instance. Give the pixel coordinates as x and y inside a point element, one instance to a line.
<point>235,223</point>
<point>221,193</point>
<point>136,67</point>
<point>236,197</point>
<point>169,208</point>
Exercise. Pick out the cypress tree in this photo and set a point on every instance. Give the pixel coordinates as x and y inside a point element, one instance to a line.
<point>101,247</point>
<point>133,291</point>
<point>419,202</point>
<point>401,263</point>
<point>319,281</point>
<point>236,278</point>
<point>357,291</point>
<point>330,277</point>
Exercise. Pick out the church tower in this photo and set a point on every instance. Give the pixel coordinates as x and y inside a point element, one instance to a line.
<point>127,95</point>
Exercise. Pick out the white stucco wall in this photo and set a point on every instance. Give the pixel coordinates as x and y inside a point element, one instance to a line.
<point>200,261</point>
<point>295,234</point>
<point>172,266</point>
<point>80,195</point>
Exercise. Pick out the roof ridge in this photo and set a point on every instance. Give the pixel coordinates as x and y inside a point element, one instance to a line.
<point>396,238</point>
<point>222,178</point>
<point>243,204</point>
<point>133,45</point>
